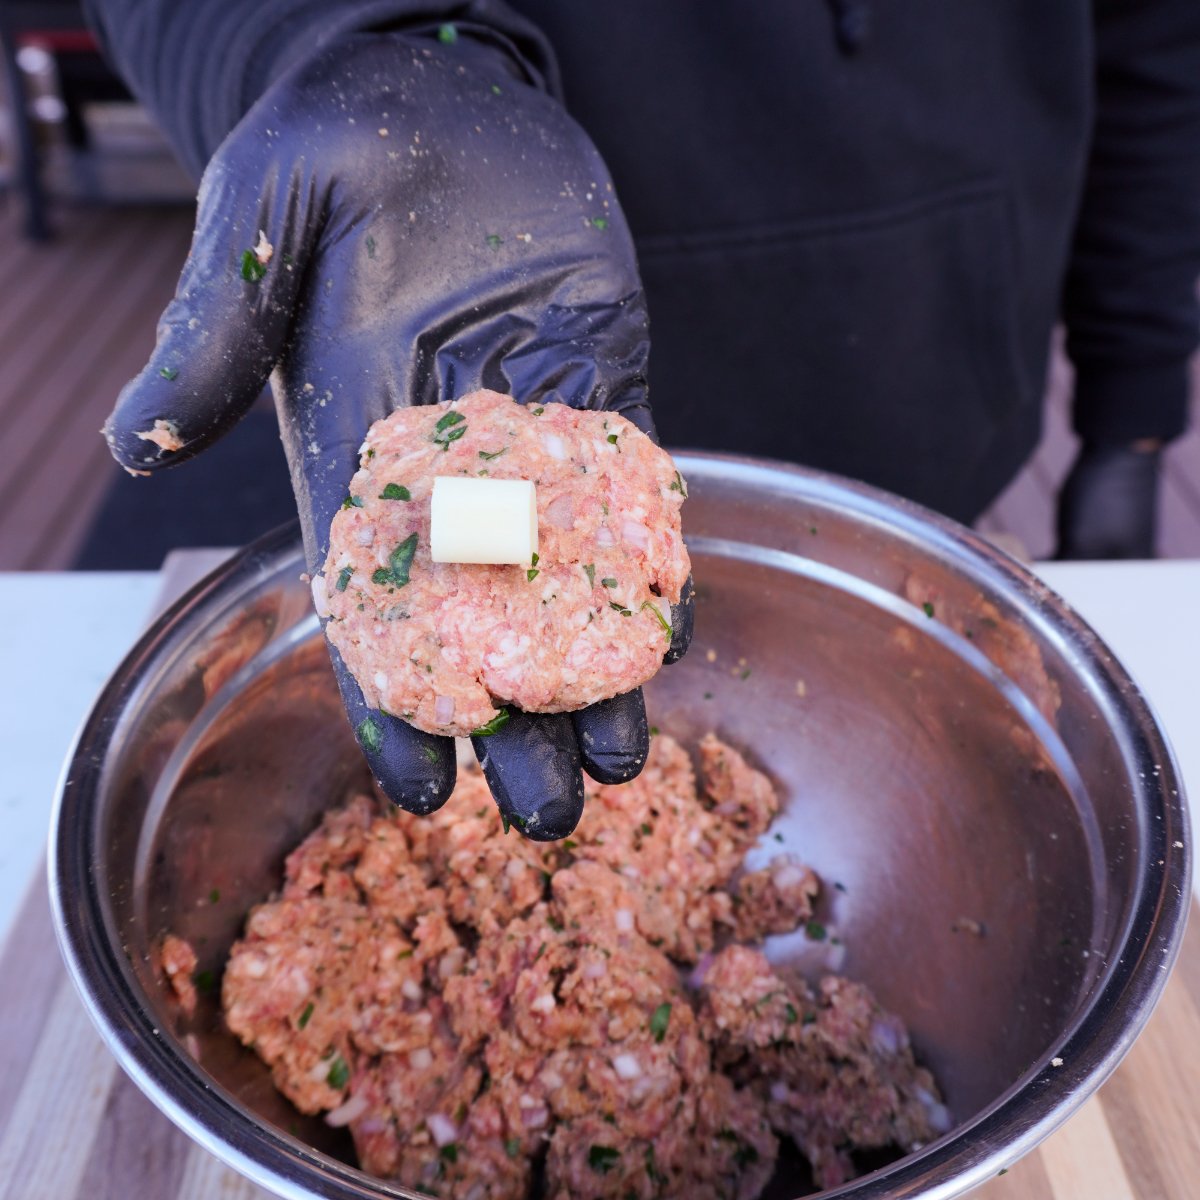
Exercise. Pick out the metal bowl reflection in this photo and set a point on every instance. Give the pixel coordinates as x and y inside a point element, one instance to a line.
<point>956,748</point>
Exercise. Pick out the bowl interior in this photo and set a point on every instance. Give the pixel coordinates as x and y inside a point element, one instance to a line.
<point>956,761</point>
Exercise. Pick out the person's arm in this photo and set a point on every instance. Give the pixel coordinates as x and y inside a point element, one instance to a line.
<point>198,66</point>
<point>1129,302</point>
<point>404,215</point>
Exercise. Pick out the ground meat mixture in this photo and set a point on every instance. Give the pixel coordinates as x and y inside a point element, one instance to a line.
<point>444,645</point>
<point>178,962</point>
<point>495,1018</point>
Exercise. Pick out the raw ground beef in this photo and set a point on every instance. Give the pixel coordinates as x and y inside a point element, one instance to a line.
<point>453,642</point>
<point>497,1018</point>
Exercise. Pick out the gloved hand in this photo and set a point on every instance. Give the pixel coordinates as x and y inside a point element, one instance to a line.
<point>1109,503</point>
<point>402,220</point>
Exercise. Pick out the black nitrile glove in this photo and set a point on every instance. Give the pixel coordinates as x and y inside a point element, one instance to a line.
<point>1108,505</point>
<point>430,224</point>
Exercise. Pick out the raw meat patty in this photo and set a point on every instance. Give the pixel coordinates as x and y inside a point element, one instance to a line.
<point>443,645</point>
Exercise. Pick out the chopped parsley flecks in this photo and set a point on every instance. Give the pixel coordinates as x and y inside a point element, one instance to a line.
<point>666,625</point>
<point>214,896</point>
<point>252,269</point>
<point>488,455</point>
<point>790,1015</point>
<point>608,582</point>
<point>745,1154</point>
<point>352,502</point>
<point>612,439</point>
<point>305,1016</point>
<point>504,821</point>
<point>343,580</point>
<point>599,222</point>
<point>449,1152</point>
<point>497,723</point>
<point>589,569</point>
<point>169,373</point>
<point>449,429</point>
<point>494,240</point>
<point>602,1159</point>
<point>431,753</point>
<point>679,485</point>
<point>395,491</point>
<point>625,612</point>
<point>205,981</point>
<point>399,564</point>
<point>512,1147</point>
<point>815,930</point>
<point>447,34</point>
<point>339,1073</point>
<point>928,608</point>
<point>537,412</point>
<point>370,246</point>
<point>370,735</point>
<point>659,1021</point>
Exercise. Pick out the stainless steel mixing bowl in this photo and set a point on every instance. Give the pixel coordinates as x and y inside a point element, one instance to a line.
<point>959,753</point>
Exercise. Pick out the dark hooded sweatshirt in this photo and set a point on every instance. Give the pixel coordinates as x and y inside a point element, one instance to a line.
<point>857,223</point>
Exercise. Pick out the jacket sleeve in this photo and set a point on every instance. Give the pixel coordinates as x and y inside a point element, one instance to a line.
<point>198,66</point>
<point>1129,300</point>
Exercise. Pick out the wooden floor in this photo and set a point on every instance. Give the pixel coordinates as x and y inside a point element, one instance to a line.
<point>77,319</point>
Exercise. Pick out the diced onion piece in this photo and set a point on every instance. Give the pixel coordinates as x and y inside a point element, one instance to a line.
<point>443,1129</point>
<point>787,875</point>
<point>555,446</point>
<point>443,710</point>
<point>604,538</point>
<point>700,970</point>
<point>560,512</point>
<point>636,534</point>
<point>483,520</point>
<point>627,1066</point>
<point>345,1113</point>
<point>320,596</point>
<point>421,1059</point>
<point>624,920</point>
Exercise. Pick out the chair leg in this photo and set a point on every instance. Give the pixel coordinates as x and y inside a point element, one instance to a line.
<point>37,227</point>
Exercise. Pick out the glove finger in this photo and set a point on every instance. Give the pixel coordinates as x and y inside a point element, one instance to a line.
<point>683,616</point>
<point>613,737</point>
<point>415,769</point>
<point>532,766</point>
<point>220,336</point>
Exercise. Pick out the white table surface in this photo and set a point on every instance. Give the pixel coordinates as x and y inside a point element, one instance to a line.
<point>61,635</point>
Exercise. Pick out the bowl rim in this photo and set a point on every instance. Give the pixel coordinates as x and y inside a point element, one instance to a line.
<point>1123,998</point>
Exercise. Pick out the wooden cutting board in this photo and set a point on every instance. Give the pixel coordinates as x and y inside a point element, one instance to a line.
<point>73,1126</point>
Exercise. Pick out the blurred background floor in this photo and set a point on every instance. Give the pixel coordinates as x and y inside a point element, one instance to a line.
<point>77,318</point>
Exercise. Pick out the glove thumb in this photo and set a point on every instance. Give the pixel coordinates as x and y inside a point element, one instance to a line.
<point>221,335</point>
